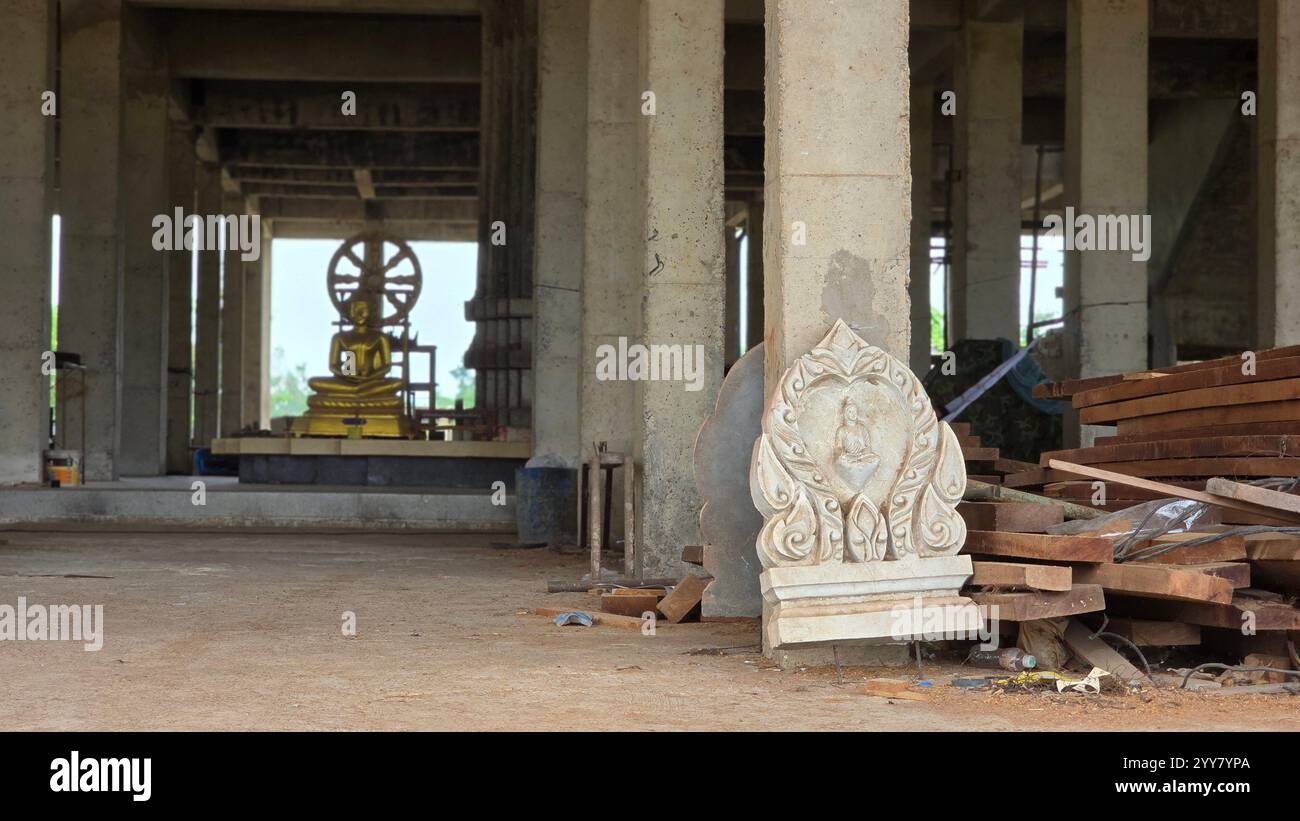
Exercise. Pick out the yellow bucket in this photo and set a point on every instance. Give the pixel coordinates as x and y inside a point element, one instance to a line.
<point>63,467</point>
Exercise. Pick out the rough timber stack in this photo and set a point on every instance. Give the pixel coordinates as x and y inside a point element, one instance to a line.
<point>1233,417</point>
<point>1222,433</point>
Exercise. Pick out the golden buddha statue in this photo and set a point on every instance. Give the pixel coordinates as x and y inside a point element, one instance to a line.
<point>359,397</point>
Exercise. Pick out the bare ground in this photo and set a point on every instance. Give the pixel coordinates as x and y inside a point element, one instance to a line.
<point>208,631</point>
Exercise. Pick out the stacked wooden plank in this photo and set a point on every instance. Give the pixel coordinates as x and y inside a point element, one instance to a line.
<point>1236,417</point>
<point>984,464</point>
<point>1197,432</point>
<point>1024,572</point>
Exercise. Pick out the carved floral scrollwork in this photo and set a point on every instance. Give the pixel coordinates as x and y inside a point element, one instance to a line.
<point>799,494</point>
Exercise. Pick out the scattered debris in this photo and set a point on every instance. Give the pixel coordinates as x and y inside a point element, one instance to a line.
<point>573,617</point>
<point>891,688</point>
<point>684,599</point>
<point>1090,683</point>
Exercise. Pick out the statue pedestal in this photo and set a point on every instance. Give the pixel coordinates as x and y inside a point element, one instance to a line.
<point>902,600</point>
<point>318,423</point>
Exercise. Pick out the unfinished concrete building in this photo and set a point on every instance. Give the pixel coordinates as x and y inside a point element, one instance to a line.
<point>702,175</point>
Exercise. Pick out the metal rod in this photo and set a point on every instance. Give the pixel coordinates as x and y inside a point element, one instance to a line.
<point>629,520</point>
<point>1033,258</point>
<point>593,514</point>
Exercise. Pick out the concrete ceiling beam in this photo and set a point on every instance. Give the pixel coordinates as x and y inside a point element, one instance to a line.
<point>342,229</point>
<point>349,149</point>
<point>434,7</point>
<point>389,177</point>
<point>326,209</point>
<point>323,47</point>
<point>387,106</point>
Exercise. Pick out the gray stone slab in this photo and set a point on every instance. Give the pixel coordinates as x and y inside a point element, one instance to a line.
<point>729,522</point>
<point>231,507</point>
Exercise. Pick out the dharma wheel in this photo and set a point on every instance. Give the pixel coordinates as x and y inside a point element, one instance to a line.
<point>379,268</point>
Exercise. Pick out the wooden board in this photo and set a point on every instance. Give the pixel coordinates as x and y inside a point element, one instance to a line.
<point>1083,491</point>
<point>1059,390</point>
<point>622,604</point>
<point>693,554</point>
<point>1033,478</point>
<point>1230,374</point>
<point>1147,633</point>
<point>1052,578</point>
<point>1235,573</point>
<point>979,454</point>
<point>1004,465</point>
<point>684,598</point>
<point>1225,396</point>
<point>1285,428</point>
<point>892,688</point>
<point>1262,496</point>
<point>1254,467</point>
<point>1080,598</point>
<point>1018,517</point>
<point>1272,546</point>
<point>1156,581</point>
<point>1100,654</point>
<point>1039,546</point>
<point>1227,549</point>
<point>1267,615</point>
<point>1284,411</point>
<point>1171,490</point>
<point>1198,447</point>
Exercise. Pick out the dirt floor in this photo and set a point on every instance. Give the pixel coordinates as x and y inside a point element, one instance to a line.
<point>208,631</point>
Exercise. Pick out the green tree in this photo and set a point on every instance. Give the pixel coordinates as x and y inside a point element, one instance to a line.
<point>464,389</point>
<point>288,387</point>
<point>936,329</point>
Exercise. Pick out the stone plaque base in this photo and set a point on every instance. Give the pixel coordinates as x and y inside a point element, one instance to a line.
<point>887,601</point>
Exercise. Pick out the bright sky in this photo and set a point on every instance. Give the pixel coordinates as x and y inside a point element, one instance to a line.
<point>301,311</point>
<point>1051,275</point>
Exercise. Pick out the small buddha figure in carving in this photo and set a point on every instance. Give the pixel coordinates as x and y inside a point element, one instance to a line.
<point>853,443</point>
<point>360,359</point>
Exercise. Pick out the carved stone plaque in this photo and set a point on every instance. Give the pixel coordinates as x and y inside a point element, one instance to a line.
<point>854,469</point>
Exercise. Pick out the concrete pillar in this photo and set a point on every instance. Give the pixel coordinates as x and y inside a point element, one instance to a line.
<point>180,303</point>
<point>257,335</point>
<point>1106,174</point>
<point>1279,173</point>
<point>611,267</point>
<point>145,196</point>
<point>264,395</point>
<point>984,290</point>
<point>25,155</point>
<point>754,274</point>
<point>501,353</point>
<point>561,171</point>
<point>207,316</point>
<point>683,262</point>
<point>918,288</point>
<point>838,183</point>
<point>90,287</point>
<point>232,326</point>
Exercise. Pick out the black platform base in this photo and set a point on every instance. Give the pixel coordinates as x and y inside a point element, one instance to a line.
<point>379,471</point>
